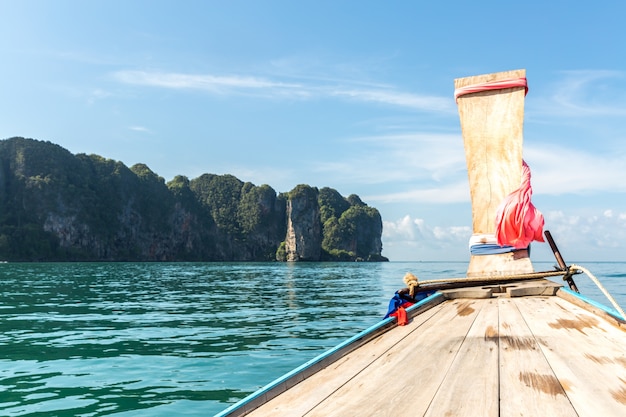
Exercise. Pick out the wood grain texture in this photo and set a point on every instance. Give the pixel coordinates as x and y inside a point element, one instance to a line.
<point>492,127</point>
<point>522,356</point>
<point>500,264</point>
<point>587,354</point>
<point>525,374</point>
<point>461,393</point>
<point>404,380</point>
<point>307,395</point>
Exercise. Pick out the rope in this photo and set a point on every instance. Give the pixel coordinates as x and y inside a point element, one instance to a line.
<point>530,275</point>
<point>604,291</point>
<point>411,282</point>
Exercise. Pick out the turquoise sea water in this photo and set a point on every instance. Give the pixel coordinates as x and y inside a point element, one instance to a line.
<point>188,339</point>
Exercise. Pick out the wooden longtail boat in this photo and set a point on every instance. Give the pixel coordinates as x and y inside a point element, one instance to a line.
<point>502,341</point>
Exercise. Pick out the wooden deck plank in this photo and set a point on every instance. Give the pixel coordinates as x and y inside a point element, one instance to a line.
<point>404,380</point>
<point>530,356</point>
<point>470,387</point>
<point>593,307</point>
<point>587,354</point>
<point>528,385</point>
<point>298,400</point>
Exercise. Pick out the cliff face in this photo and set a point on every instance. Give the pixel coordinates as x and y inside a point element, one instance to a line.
<point>304,231</point>
<point>58,206</point>
<point>324,226</point>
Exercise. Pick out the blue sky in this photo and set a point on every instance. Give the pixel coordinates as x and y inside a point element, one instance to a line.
<point>353,95</point>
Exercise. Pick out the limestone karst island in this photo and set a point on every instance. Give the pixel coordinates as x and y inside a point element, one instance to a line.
<point>57,206</point>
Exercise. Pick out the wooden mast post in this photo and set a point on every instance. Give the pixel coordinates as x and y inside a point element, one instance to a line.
<point>492,125</point>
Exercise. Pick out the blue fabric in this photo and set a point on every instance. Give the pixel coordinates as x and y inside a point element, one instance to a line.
<point>490,249</point>
<point>398,299</point>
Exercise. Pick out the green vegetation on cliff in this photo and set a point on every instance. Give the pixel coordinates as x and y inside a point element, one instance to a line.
<point>58,206</point>
<point>351,229</point>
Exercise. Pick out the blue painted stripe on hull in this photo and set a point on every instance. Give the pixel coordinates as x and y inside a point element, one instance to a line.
<point>319,358</point>
<point>594,303</point>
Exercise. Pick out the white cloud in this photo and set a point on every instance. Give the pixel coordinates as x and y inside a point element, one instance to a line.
<point>205,82</point>
<point>418,167</point>
<point>139,129</point>
<point>430,103</point>
<point>403,229</point>
<point>580,234</point>
<point>411,238</point>
<point>418,231</point>
<point>453,233</point>
<point>444,194</point>
<point>238,84</point>
<point>585,94</point>
<point>437,153</point>
<point>96,95</point>
<point>574,170</point>
<point>576,235</point>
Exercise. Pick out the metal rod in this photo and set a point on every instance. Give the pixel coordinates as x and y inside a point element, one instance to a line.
<point>555,250</point>
<point>559,259</point>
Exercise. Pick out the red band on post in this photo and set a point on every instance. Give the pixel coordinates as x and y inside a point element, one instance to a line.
<point>492,85</point>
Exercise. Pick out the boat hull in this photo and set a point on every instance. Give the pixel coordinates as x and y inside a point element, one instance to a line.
<point>518,348</point>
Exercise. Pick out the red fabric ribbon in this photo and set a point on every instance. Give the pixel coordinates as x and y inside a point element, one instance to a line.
<point>492,85</point>
<point>518,222</point>
<point>401,315</point>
